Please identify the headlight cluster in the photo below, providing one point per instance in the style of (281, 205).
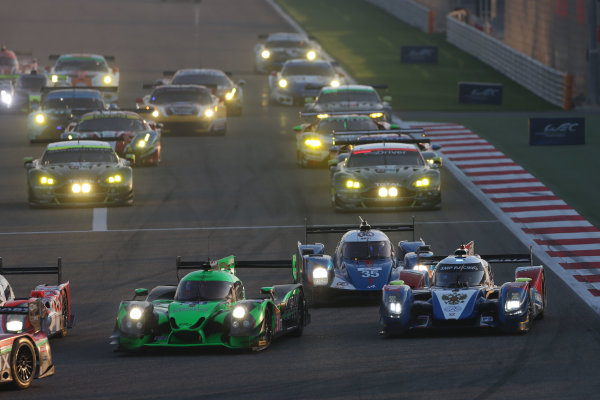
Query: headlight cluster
(135, 313)
(114, 179)
(423, 182)
(155, 113)
(6, 97)
(321, 116)
(388, 192)
(311, 55)
(40, 118)
(513, 305)
(376, 115)
(334, 83)
(265, 54)
(54, 78)
(320, 276)
(46, 180)
(239, 315)
(81, 188)
(15, 322)
(229, 95)
(395, 308)
(352, 184)
(421, 267)
(143, 142)
(313, 143)
(209, 112)
(283, 83)
(107, 79)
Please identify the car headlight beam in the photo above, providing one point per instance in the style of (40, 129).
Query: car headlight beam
(107, 79)
(395, 308)
(283, 83)
(424, 182)
(313, 143)
(352, 184)
(40, 118)
(334, 83)
(239, 312)
(229, 95)
(311, 55)
(320, 276)
(136, 313)
(265, 54)
(14, 326)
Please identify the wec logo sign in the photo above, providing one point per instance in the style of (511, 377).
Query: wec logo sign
(419, 54)
(556, 131)
(479, 93)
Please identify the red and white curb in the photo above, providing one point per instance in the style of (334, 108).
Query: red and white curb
(564, 240)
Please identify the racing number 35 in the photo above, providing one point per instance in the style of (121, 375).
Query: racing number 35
(370, 274)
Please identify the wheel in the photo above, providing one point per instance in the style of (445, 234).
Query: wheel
(23, 363)
(301, 317)
(541, 314)
(267, 336)
(65, 316)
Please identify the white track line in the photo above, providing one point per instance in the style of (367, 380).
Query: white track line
(99, 219)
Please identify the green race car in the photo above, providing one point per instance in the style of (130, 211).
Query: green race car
(209, 308)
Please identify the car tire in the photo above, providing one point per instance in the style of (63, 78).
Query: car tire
(301, 316)
(267, 335)
(23, 363)
(64, 315)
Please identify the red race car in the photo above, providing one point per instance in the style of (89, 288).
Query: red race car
(24, 348)
(55, 313)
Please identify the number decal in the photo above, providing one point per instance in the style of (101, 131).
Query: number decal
(369, 274)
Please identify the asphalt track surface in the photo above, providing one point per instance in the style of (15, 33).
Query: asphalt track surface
(246, 179)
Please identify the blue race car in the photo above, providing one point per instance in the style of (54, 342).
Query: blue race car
(463, 295)
(364, 261)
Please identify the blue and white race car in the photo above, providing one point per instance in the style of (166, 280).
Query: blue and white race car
(463, 295)
(364, 261)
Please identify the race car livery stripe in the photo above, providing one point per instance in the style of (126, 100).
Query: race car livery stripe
(568, 241)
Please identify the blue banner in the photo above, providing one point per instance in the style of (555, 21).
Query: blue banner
(419, 54)
(556, 131)
(480, 93)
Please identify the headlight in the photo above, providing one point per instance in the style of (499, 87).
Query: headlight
(314, 143)
(311, 55)
(76, 188)
(393, 192)
(45, 180)
(209, 113)
(395, 308)
(135, 313)
(321, 116)
(421, 267)
(320, 276)
(239, 312)
(155, 113)
(422, 182)
(229, 95)
(54, 78)
(512, 305)
(14, 325)
(115, 178)
(40, 118)
(352, 184)
(376, 115)
(107, 79)
(265, 54)
(334, 83)
(6, 97)
(85, 188)
(383, 192)
(142, 142)
(283, 83)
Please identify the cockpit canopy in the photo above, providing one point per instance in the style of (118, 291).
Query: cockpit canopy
(367, 250)
(201, 290)
(456, 275)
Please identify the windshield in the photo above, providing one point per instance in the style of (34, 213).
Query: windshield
(338, 96)
(63, 103)
(79, 154)
(110, 124)
(202, 290)
(301, 44)
(375, 250)
(32, 82)
(307, 69)
(201, 79)
(7, 61)
(346, 124)
(366, 158)
(86, 64)
(458, 275)
(188, 95)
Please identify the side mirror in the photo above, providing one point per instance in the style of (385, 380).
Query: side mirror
(308, 100)
(394, 126)
(298, 128)
(47, 68)
(266, 289)
(139, 101)
(387, 98)
(140, 292)
(130, 157)
(113, 107)
(396, 283)
(332, 163)
(436, 146)
(241, 82)
(115, 70)
(28, 162)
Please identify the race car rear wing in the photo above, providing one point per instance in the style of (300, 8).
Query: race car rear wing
(33, 270)
(362, 137)
(108, 89)
(507, 258)
(228, 263)
(326, 114)
(322, 229)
